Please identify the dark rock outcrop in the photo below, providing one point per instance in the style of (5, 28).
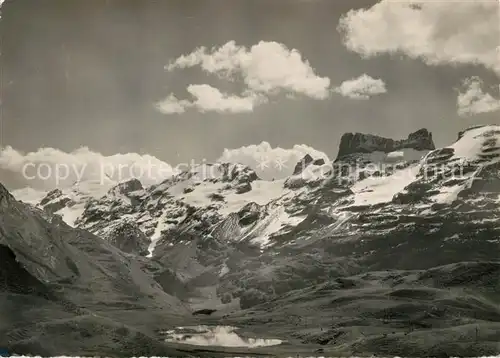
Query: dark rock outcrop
(305, 162)
(354, 143)
(249, 214)
(54, 201)
(127, 237)
(311, 179)
(14, 277)
(243, 188)
(51, 195)
(127, 187)
(300, 166)
(237, 173)
(204, 311)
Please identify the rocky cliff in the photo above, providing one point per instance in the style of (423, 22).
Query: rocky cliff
(354, 143)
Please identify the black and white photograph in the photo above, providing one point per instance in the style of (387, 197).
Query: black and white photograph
(250, 178)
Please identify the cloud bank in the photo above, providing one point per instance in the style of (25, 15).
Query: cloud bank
(438, 32)
(266, 69)
(268, 162)
(473, 100)
(362, 87)
(49, 168)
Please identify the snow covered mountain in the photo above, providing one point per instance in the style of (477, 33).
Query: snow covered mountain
(370, 175)
(389, 221)
(375, 186)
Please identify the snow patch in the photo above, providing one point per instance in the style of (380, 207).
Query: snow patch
(263, 192)
(161, 226)
(29, 195)
(447, 195)
(473, 142)
(403, 155)
(376, 190)
(224, 270)
(276, 220)
(79, 194)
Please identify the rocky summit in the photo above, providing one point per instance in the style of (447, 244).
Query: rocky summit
(392, 249)
(354, 143)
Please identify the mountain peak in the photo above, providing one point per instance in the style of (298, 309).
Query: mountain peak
(305, 162)
(4, 194)
(354, 143)
(128, 186)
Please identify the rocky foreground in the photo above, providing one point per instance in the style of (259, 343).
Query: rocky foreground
(392, 249)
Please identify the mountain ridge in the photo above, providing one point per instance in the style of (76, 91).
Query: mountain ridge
(389, 235)
(226, 188)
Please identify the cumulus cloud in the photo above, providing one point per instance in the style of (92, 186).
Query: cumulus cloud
(438, 32)
(208, 98)
(271, 162)
(473, 100)
(266, 69)
(48, 168)
(172, 104)
(362, 87)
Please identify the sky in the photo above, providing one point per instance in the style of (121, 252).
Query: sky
(196, 80)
